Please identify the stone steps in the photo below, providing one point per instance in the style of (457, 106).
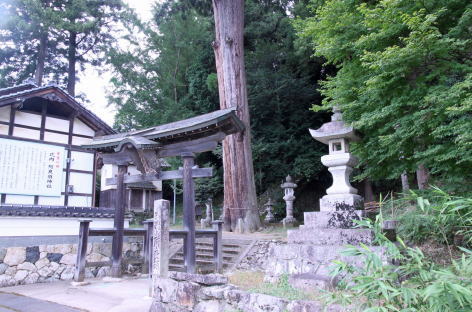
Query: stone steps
(232, 249)
(330, 236)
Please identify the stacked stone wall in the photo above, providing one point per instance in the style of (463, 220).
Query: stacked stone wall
(49, 263)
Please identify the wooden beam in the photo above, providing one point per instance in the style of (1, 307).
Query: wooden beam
(170, 151)
(189, 212)
(164, 175)
(117, 245)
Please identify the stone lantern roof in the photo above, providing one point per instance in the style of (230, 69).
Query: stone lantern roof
(335, 129)
(288, 183)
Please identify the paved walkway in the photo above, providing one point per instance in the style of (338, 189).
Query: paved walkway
(17, 303)
(129, 295)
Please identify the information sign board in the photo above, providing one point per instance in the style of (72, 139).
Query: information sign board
(28, 168)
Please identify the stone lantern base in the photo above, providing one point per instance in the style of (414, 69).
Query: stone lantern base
(338, 202)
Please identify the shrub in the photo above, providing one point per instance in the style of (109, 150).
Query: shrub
(414, 284)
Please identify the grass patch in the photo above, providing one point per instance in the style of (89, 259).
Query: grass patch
(254, 282)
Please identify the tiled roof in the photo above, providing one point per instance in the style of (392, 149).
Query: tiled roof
(55, 211)
(8, 95)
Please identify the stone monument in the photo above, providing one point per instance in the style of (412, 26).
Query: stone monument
(269, 218)
(339, 162)
(288, 186)
(208, 214)
(313, 247)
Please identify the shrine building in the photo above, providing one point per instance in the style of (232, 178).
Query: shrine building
(42, 163)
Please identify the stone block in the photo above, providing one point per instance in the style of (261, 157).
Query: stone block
(31, 278)
(68, 273)
(238, 298)
(41, 263)
(335, 202)
(103, 271)
(32, 254)
(11, 271)
(95, 257)
(69, 259)
(331, 237)
(204, 279)
(165, 290)
(28, 266)
(309, 282)
(20, 275)
(214, 292)
(6, 280)
(331, 219)
(187, 294)
(102, 248)
(54, 257)
(15, 256)
(3, 268)
(3, 253)
(210, 306)
(262, 303)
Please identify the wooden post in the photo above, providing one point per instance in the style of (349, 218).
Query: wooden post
(147, 266)
(117, 246)
(218, 246)
(189, 211)
(82, 250)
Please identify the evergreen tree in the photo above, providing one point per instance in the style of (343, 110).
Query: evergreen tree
(404, 81)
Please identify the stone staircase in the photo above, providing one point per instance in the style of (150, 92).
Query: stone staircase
(312, 247)
(233, 251)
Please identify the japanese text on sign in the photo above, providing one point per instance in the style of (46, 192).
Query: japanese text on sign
(30, 168)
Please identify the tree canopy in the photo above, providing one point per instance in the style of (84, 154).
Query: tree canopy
(404, 80)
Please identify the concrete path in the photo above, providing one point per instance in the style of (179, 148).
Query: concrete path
(17, 303)
(129, 295)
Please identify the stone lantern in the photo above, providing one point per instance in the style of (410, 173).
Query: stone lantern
(337, 135)
(268, 208)
(288, 186)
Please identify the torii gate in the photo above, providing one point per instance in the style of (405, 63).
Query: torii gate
(144, 148)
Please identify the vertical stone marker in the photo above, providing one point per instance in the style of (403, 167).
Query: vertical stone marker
(160, 244)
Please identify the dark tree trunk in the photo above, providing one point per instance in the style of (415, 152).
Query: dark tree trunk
(422, 175)
(240, 203)
(39, 73)
(368, 192)
(71, 58)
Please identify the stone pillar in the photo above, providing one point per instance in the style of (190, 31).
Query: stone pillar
(288, 186)
(160, 241)
(189, 211)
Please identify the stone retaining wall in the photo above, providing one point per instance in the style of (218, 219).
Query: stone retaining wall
(49, 263)
(184, 292)
(258, 257)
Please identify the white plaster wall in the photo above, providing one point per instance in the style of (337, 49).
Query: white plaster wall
(51, 201)
(80, 140)
(37, 226)
(80, 201)
(57, 124)
(4, 129)
(56, 137)
(26, 133)
(108, 171)
(19, 199)
(33, 120)
(81, 128)
(5, 113)
(82, 182)
(82, 161)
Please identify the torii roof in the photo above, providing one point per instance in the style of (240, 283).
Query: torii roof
(201, 126)
(25, 91)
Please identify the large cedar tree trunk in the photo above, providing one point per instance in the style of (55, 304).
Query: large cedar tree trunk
(71, 58)
(240, 202)
(39, 73)
(405, 183)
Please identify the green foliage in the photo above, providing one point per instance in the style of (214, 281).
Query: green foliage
(436, 215)
(404, 81)
(415, 284)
